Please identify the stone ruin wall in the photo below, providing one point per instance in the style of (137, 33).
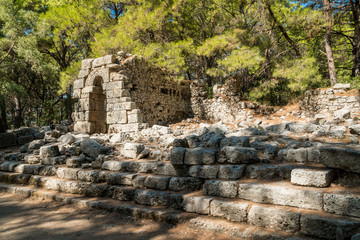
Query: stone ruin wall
(225, 105)
(328, 102)
(123, 93)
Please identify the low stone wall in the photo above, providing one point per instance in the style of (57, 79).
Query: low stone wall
(332, 102)
(223, 106)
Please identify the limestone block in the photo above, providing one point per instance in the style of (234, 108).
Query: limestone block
(115, 178)
(343, 158)
(122, 193)
(82, 126)
(205, 171)
(343, 113)
(184, 183)
(75, 162)
(25, 139)
(281, 195)
(134, 118)
(139, 181)
(274, 217)
(171, 170)
(197, 204)
(49, 151)
(355, 129)
(342, 204)
(311, 177)
(77, 93)
(128, 105)
(9, 166)
(113, 166)
(101, 61)
(67, 173)
(88, 175)
(200, 156)
(328, 227)
(119, 116)
(221, 188)
(132, 150)
(230, 210)
(86, 63)
(92, 148)
(157, 182)
(125, 99)
(293, 155)
(231, 171)
(233, 154)
(140, 166)
(152, 197)
(177, 155)
(79, 83)
(340, 86)
(83, 73)
(242, 141)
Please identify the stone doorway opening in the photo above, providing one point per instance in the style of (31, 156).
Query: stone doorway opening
(98, 106)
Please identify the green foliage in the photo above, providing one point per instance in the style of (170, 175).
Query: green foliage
(68, 76)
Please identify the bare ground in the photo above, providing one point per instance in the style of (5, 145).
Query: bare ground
(29, 218)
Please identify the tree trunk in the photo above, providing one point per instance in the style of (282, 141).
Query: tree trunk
(18, 121)
(356, 42)
(3, 123)
(68, 104)
(329, 53)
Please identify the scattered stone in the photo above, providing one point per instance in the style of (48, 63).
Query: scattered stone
(132, 150)
(92, 148)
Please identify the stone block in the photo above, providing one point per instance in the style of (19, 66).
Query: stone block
(88, 175)
(7, 140)
(119, 116)
(25, 139)
(132, 150)
(197, 204)
(342, 158)
(157, 182)
(75, 162)
(171, 170)
(230, 210)
(340, 86)
(342, 204)
(242, 141)
(86, 63)
(293, 155)
(101, 61)
(198, 156)
(140, 166)
(79, 83)
(177, 155)
(205, 171)
(135, 118)
(128, 105)
(123, 193)
(281, 195)
(138, 181)
(9, 166)
(311, 177)
(152, 197)
(221, 188)
(121, 178)
(49, 151)
(328, 227)
(274, 217)
(67, 173)
(92, 148)
(238, 155)
(231, 171)
(184, 183)
(83, 73)
(113, 166)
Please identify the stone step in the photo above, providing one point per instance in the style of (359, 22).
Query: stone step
(283, 218)
(335, 199)
(121, 207)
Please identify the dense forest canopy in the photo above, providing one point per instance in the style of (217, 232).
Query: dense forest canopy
(274, 49)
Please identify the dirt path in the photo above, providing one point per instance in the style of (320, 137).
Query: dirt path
(22, 218)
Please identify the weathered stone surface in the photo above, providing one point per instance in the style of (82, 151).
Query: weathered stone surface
(221, 188)
(197, 204)
(67, 173)
(311, 177)
(205, 171)
(343, 158)
(138, 181)
(9, 166)
(25, 139)
(177, 155)
(157, 182)
(36, 144)
(75, 162)
(28, 169)
(274, 217)
(112, 165)
(233, 154)
(338, 131)
(270, 171)
(230, 210)
(328, 227)
(198, 156)
(231, 171)
(184, 183)
(140, 166)
(171, 170)
(49, 151)
(342, 204)
(92, 148)
(88, 175)
(355, 129)
(293, 155)
(7, 139)
(67, 139)
(342, 86)
(152, 197)
(121, 178)
(132, 150)
(242, 141)
(281, 195)
(123, 193)
(342, 113)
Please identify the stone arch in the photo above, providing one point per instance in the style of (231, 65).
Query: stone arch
(94, 76)
(97, 102)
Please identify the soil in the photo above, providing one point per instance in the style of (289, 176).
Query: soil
(30, 218)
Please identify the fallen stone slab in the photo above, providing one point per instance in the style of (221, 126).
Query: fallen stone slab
(311, 177)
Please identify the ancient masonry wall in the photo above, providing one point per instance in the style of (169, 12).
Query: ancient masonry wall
(124, 93)
(224, 105)
(328, 102)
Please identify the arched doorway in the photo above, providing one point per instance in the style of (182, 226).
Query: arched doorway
(98, 106)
